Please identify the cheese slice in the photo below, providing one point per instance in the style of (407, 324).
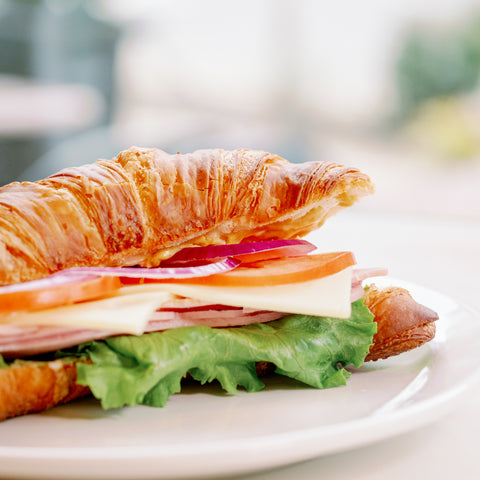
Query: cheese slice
(327, 296)
(129, 309)
(123, 312)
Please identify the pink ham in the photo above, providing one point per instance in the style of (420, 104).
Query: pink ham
(17, 341)
(28, 340)
(361, 274)
(237, 320)
(46, 339)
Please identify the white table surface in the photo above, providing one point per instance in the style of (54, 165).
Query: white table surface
(442, 253)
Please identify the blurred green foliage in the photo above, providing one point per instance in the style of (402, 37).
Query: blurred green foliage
(437, 64)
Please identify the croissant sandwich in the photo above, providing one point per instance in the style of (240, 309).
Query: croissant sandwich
(127, 276)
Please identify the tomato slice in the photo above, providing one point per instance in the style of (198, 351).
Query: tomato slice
(279, 271)
(54, 291)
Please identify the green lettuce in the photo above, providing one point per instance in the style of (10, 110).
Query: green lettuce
(130, 370)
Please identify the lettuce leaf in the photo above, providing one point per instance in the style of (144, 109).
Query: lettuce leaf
(147, 369)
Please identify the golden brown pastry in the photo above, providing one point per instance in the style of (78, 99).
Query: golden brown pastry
(30, 387)
(145, 204)
(402, 323)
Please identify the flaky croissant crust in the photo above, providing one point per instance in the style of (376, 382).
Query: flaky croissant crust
(145, 204)
(403, 324)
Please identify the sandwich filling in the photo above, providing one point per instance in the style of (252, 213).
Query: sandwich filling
(134, 345)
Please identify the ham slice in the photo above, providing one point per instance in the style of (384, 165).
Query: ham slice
(18, 341)
(46, 339)
(361, 274)
(227, 319)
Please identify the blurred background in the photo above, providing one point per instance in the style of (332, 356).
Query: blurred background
(390, 87)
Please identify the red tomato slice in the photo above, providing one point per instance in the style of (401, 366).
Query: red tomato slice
(280, 271)
(55, 291)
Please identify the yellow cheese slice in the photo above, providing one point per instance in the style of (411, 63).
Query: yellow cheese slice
(123, 312)
(328, 296)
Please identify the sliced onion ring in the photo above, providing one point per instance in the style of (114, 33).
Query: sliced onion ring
(159, 273)
(267, 249)
(56, 280)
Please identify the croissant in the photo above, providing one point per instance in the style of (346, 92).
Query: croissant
(403, 324)
(145, 204)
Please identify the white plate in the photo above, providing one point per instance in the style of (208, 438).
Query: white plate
(203, 432)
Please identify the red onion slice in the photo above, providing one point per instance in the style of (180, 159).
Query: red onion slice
(52, 281)
(160, 273)
(242, 251)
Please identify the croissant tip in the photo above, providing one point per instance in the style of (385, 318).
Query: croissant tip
(402, 323)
